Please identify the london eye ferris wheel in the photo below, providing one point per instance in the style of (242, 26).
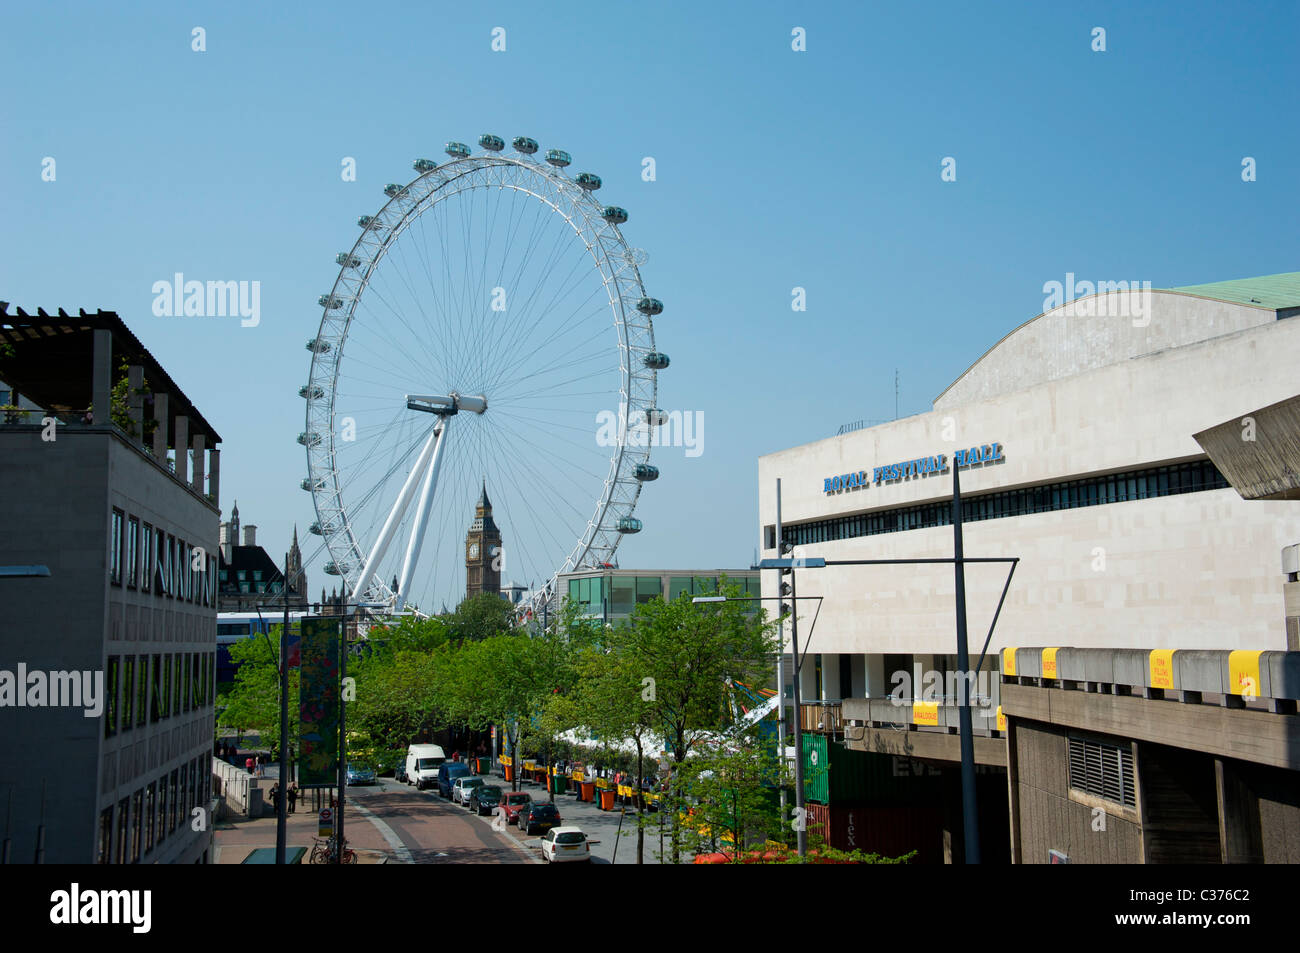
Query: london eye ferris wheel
(487, 319)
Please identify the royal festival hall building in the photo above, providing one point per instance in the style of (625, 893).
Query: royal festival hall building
(1075, 440)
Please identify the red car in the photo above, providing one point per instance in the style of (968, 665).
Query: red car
(514, 802)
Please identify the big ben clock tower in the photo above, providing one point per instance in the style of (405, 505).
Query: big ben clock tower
(483, 551)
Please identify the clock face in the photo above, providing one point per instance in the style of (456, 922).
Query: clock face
(473, 551)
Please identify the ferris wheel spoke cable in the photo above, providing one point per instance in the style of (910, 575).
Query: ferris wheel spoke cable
(517, 340)
(522, 344)
(563, 472)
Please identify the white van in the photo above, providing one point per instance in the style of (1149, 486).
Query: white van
(422, 763)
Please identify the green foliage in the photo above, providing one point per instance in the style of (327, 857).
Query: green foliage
(480, 617)
(253, 701)
(731, 791)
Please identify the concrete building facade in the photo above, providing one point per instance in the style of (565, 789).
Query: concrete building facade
(114, 489)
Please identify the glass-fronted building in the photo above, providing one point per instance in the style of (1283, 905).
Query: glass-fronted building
(613, 594)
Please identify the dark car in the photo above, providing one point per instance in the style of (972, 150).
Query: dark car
(541, 816)
(513, 803)
(483, 800)
(448, 772)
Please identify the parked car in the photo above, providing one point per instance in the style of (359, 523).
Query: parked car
(461, 789)
(513, 803)
(361, 774)
(541, 815)
(563, 845)
(399, 772)
(447, 775)
(484, 799)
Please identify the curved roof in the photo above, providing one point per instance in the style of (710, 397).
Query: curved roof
(1071, 339)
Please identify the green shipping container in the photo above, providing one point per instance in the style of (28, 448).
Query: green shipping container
(839, 776)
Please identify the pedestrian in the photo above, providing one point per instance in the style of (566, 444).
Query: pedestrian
(275, 797)
(293, 796)
(249, 764)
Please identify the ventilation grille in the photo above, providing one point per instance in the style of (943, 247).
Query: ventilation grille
(1102, 770)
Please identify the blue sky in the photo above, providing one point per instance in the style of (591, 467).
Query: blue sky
(775, 169)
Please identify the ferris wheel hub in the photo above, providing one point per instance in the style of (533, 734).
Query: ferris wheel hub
(446, 405)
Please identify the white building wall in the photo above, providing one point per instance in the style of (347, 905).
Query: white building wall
(1197, 570)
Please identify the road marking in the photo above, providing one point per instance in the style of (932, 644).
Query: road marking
(395, 842)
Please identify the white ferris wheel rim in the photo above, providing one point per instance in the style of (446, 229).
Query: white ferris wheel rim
(616, 263)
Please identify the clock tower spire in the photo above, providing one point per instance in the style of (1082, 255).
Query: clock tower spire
(483, 550)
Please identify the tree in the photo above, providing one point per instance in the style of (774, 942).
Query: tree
(480, 617)
(254, 700)
(689, 651)
(732, 787)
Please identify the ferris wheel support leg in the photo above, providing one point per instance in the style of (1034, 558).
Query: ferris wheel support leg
(421, 516)
(395, 517)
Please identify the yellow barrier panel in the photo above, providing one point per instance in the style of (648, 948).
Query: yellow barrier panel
(925, 713)
(1049, 663)
(1243, 673)
(577, 776)
(1161, 668)
(1002, 720)
(505, 759)
(1008, 661)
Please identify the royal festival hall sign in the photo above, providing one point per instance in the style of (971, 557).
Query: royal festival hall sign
(910, 469)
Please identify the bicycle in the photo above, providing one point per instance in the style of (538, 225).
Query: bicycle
(325, 852)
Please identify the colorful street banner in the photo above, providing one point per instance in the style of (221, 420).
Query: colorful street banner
(318, 727)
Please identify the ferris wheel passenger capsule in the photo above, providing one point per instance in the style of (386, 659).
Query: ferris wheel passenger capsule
(558, 158)
(317, 346)
(311, 392)
(614, 215)
(655, 417)
(424, 165)
(491, 143)
(369, 222)
(650, 306)
(645, 472)
(347, 260)
(331, 568)
(309, 438)
(656, 361)
(392, 190)
(629, 524)
(312, 485)
(589, 181)
(457, 149)
(525, 145)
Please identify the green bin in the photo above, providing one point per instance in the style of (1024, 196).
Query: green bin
(559, 784)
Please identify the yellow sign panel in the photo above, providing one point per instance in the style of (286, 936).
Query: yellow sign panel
(1002, 720)
(1008, 661)
(505, 759)
(1049, 663)
(1160, 666)
(1243, 673)
(925, 713)
(577, 775)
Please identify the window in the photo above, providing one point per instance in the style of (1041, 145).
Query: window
(178, 684)
(165, 703)
(1103, 770)
(159, 563)
(115, 549)
(123, 831)
(137, 824)
(146, 559)
(142, 690)
(150, 814)
(623, 599)
(110, 709)
(183, 564)
(648, 588)
(257, 575)
(175, 799)
(128, 693)
(169, 580)
(195, 692)
(105, 853)
(159, 699)
(162, 808)
(132, 551)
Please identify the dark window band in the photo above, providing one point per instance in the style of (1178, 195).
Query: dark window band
(1045, 498)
